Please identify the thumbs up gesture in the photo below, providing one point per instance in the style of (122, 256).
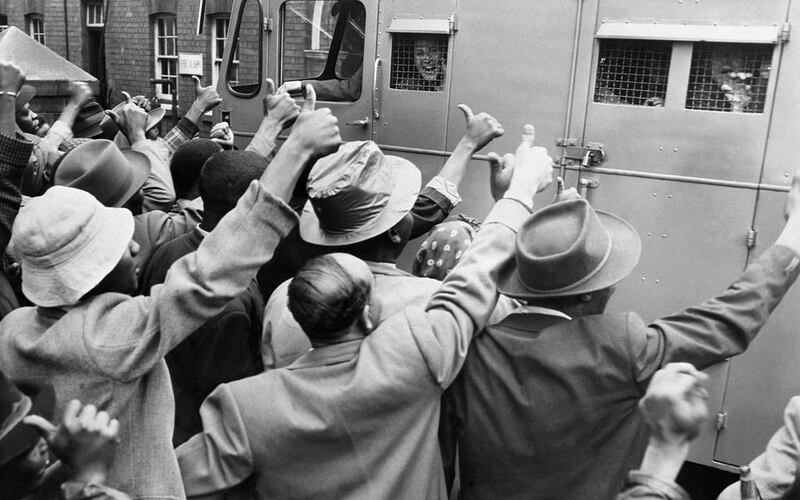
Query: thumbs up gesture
(481, 128)
(316, 131)
(206, 98)
(280, 106)
(533, 169)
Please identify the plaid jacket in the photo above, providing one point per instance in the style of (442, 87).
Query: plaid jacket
(14, 156)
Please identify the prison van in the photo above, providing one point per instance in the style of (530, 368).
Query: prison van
(681, 116)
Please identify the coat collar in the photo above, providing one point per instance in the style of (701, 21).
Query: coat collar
(532, 318)
(386, 269)
(332, 354)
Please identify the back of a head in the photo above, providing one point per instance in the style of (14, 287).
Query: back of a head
(325, 298)
(225, 177)
(187, 162)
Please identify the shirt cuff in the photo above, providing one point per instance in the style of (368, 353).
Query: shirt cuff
(188, 127)
(445, 187)
(508, 212)
(261, 145)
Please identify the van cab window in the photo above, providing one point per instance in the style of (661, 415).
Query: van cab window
(322, 43)
(730, 77)
(419, 62)
(244, 72)
(632, 72)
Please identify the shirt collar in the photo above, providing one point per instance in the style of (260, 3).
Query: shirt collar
(332, 354)
(532, 318)
(386, 269)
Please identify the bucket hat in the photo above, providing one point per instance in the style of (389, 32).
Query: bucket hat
(100, 168)
(67, 242)
(18, 399)
(357, 193)
(568, 248)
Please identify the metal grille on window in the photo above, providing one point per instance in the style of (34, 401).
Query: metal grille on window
(419, 62)
(729, 77)
(632, 72)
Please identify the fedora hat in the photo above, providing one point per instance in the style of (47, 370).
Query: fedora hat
(18, 399)
(67, 242)
(568, 248)
(100, 168)
(110, 129)
(87, 123)
(24, 96)
(357, 193)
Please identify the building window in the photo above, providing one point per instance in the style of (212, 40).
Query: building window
(3, 22)
(166, 41)
(94, 14)
(36, 28)
(218, 36)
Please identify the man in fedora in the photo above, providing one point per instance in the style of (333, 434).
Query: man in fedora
(88, 337)
(546, 403)
(357, 416)
(370, 205)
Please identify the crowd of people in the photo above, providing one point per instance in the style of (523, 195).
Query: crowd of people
(182, 318)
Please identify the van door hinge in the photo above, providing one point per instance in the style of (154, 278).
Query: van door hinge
(786, 30)
(722, 418)
(752, 238)
(268, 24)
(453, 23)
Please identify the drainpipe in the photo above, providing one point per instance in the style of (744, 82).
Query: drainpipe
(66, 29)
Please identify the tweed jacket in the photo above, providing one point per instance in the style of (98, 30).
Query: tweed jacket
(546, 406)
(109, 349)
(355, 420)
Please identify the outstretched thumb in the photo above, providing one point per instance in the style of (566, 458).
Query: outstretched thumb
(528, 134)
(46, 429)
(127, 97)
(468, 114)
(270, 86)
(311, 98)
(114, 117)
(197, 83)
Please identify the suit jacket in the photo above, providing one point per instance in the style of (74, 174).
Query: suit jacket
(546, 406)
(109, 349)
(355, 420)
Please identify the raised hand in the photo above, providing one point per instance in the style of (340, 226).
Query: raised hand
(674, 406)
(85, 441)
(280, 106)
(222, 133)
(131, 120)
(79, 93)
(533, 168)
(501, 168)
(481, 128)
(206, 98)
(11, 77)
(316, 131)
(143, 102)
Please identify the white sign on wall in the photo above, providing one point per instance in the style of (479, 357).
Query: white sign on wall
(190, 64)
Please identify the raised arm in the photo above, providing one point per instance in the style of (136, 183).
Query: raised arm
(726, 324)
(280, 112)
(199, 285)
(469, 293)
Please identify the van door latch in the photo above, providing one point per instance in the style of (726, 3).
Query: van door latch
(588, 156)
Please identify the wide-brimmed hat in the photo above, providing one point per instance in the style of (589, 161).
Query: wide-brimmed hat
(18, 399)
(568, 248)
(110, 129)
(100, 168)
(24, 96)
(67, 242)
(87, 123)
(357, 193)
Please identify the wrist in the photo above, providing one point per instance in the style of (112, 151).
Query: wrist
(295, 149)
(270, 127)
(520, 196)
(468, 144)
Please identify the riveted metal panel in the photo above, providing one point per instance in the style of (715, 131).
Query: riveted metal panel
(721, 11)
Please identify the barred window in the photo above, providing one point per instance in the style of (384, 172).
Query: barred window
(729, 77)
(36, 28)
(419, 62)
(632, 72)
(166, 40)
(218, 36)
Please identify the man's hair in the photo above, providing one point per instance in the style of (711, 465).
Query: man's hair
(325, 299)
(187, 162)
(225, 177)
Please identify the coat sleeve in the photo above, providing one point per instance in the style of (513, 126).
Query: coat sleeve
(14, 156)
(722, 326)
(134, 334)
(159, 191)
(775, 470)
(467, 296)
(219, 457)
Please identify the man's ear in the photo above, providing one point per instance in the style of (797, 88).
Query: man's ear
(394, 236)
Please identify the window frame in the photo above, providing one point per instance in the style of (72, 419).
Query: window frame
(218, 52)
(38, 35)
(91, 8)
(235, 49)
(158, 57)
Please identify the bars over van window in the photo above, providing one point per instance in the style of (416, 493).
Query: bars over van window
(419, 62)
(632, 72)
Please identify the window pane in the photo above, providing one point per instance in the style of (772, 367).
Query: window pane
(632, 72)
(419, 62)
(729, 77)
(247, 47)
